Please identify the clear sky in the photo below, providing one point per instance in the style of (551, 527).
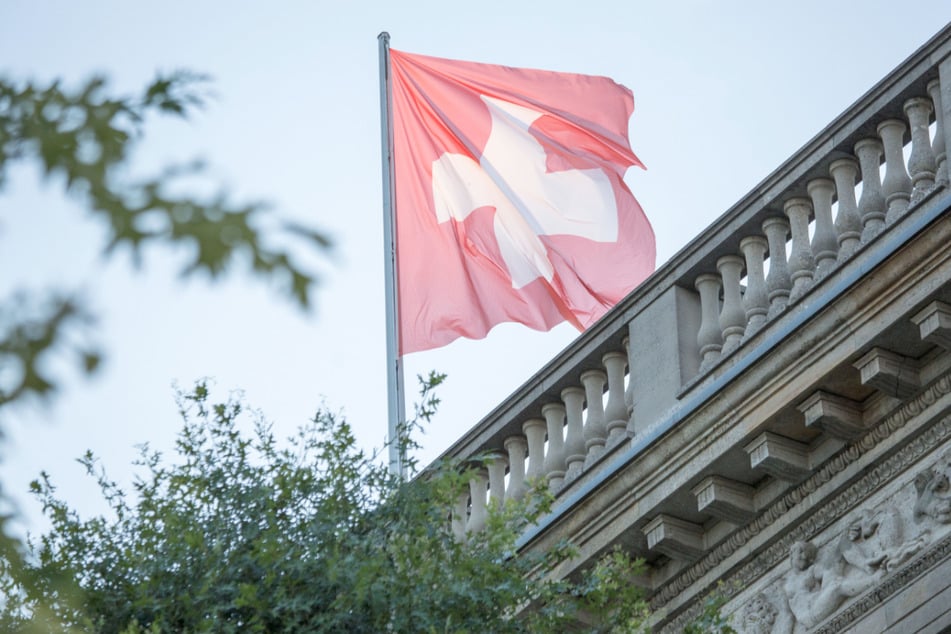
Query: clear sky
(725, 91)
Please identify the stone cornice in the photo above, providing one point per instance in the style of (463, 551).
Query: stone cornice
(733, 417)
(918, 566)
(915, 446)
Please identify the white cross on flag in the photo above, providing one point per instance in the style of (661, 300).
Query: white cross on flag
(510, 199)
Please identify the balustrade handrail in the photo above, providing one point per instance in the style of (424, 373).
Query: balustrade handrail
(722, 238)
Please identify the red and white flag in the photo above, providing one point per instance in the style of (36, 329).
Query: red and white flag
(510, 200)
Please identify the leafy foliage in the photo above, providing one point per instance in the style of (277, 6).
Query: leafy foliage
(241, 534)
(711, 619)
(82, 138)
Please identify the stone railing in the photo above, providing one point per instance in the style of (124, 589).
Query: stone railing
(730, 314)
(701, 312)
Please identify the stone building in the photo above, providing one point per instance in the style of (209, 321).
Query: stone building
(770, 412)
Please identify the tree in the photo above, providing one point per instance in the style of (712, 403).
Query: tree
(243, 534)
(83, 139)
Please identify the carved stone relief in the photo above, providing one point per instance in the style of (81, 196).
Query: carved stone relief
(934, 493)
(758, 616)
(873, 544)
(933, 534)
(894, 466)
(816, 587)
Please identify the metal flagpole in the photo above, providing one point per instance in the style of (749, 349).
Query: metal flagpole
(396, 407)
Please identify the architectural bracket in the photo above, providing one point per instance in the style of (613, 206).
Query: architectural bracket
(676, 538)
(836, 415)
(889, 372)
(725, 499)
(779, 456)
(934, 324)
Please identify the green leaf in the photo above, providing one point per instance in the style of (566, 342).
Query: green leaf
(239, 533)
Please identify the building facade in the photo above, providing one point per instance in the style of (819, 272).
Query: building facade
(769, 415)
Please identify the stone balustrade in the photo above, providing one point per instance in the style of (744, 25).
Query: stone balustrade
(731, 311)
(718, 298)
(575, 430)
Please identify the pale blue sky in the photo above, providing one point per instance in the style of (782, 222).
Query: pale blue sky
(725, 91)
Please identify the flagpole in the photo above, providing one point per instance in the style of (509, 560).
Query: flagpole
(396, 408)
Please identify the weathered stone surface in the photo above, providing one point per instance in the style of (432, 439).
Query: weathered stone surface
(725, 499)
(825, 422)
(778, 456)
(934, 324)
(889, 372)
(674, 537)
(838, 416)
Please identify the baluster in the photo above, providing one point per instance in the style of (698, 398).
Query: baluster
(615, 412)
(732, 316)
(941, 177)
(777, 282)
(709, 338)
(573, 398)
(496, 467)
(824, 245)
(477, 510)
(516, 448)
(755, 299)
(848, 222)
(460, 516)
(534, 430)
(595, 432)
(554, 414)
(921, 161)
(801, 262)
(872, 201)
(629, 390)
(896, 185)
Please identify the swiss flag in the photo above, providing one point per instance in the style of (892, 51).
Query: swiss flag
(510, 200)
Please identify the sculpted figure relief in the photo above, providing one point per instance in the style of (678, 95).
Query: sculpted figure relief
(875, 542)
(758, 616)
(934, 494)
(815, 589)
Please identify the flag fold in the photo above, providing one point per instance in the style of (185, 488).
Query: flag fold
(510, 201)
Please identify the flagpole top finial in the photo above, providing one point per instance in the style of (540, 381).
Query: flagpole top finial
(383, 36)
